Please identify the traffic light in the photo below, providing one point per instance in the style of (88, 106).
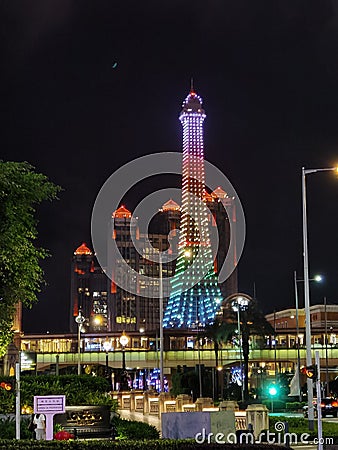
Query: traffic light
(6, 386)
(273, 390)
(310, 372)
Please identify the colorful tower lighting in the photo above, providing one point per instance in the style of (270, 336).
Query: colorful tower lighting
(195, 295)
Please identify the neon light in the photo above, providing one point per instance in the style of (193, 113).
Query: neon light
(195, 306)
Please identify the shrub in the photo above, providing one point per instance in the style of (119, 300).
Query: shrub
(129, 429)
(294, 406)
(7, 428)
(162, 444)
(79, 390)
(278, 405)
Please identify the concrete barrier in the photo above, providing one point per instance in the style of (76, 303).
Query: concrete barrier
(198, 425)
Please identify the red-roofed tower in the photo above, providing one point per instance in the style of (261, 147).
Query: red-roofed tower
(89, 291)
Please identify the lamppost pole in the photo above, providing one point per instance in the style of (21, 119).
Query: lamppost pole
(124, 341)
(123, 358)
(161, 319)
(297, 332)
(240, 351)
(200, 369)
(307, 292)
(327, 387)
(79, 349)
(79, 319)
(107, 347)
(275, 344)
(240, 304)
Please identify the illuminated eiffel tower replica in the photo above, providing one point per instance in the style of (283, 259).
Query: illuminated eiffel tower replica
(195, 294)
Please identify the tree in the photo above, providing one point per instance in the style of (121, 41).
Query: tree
(186, 381)
(219, 332)
(21, 190)
(252, 323)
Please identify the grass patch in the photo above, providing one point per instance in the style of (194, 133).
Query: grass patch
(299, 425)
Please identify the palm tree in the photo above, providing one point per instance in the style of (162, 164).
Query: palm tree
(252, 323)
(219, 332)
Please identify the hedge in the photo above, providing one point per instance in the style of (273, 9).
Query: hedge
(79, 390)
(294, 406)
(126, 429)
(299, 425)
(131, 429)
(163, 444)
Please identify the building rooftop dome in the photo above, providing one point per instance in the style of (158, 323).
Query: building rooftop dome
(121, 213)
(171, 205)
(83, 250)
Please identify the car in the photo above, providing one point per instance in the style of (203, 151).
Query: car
(329, 407)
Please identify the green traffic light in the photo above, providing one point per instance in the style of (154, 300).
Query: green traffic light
(273, 391)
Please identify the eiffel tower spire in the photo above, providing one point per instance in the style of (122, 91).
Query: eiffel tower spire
(195, 295)
(192, 85)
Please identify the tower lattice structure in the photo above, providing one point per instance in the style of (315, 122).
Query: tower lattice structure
(195, 295)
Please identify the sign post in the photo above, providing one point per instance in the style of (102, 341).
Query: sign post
(49, 405)
(17, 401)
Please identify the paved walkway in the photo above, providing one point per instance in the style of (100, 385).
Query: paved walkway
(150, 419)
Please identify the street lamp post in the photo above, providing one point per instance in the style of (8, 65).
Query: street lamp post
(307, 291)
(80, 320)
(240, 350)
(107, 347)
(200, 369)
(236, 306)
(327, 387)
(297, 332)
(123, 341)
(161, 319)
(317, 278)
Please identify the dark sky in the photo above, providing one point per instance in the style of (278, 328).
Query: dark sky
(268, 75)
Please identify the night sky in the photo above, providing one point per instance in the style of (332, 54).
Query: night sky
(87, 86)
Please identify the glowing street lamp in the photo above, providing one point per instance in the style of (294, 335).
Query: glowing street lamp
(317, 278)
(124, 339)
(80, 320)
(107, 347)
(240, 303)
(307, 290)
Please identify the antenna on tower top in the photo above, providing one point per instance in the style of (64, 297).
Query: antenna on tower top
(192, 85)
